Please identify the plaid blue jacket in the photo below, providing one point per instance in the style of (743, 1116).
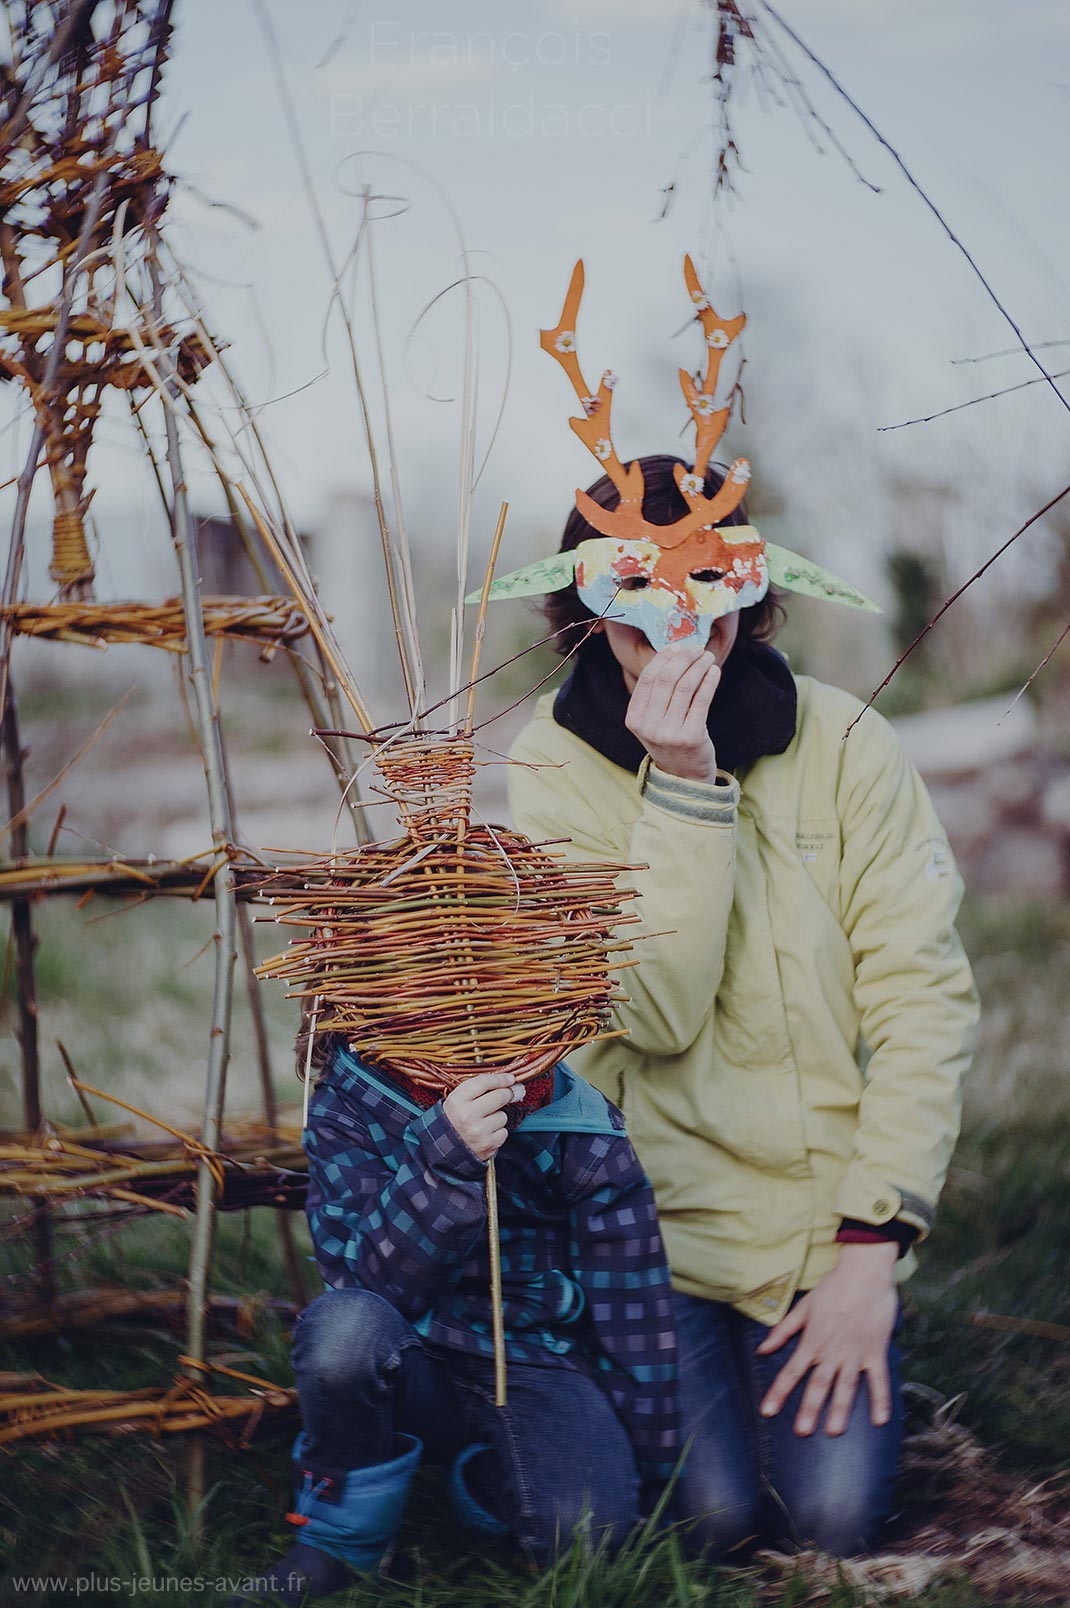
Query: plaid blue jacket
(397, 1205)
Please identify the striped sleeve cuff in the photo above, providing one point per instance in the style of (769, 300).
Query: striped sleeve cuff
(710, 803)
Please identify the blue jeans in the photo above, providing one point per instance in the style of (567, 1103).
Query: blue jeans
(746, 1477)
(556, 1450)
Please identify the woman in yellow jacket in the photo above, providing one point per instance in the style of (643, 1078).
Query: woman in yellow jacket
(799, 1022)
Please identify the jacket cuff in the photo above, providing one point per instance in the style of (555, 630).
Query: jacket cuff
(854, 1232)
(443, 1149)
(709, 803)
(865, 1197)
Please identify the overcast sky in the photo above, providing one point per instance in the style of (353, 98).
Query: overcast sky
(553, 129)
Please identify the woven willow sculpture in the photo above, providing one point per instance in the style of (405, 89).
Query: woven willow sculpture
(455, 949)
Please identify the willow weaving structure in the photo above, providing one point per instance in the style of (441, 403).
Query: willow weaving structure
(80, 182)
(34, 1408)
(91, 322)
(78, 167)
(455, 949)
(273, 621)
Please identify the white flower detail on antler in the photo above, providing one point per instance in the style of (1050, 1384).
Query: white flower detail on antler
(741, 472)
(703, 404)
(603, 448)
(566, 341)
(691, 485)
(609, 379)
(718, 339)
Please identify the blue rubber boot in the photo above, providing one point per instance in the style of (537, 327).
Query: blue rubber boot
(344, 1527)
(472, 1514)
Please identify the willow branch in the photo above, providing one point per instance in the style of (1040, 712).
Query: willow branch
(225, 903)
(959, 245)
(976, 576)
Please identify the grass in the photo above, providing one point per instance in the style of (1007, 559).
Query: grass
(113, 1510)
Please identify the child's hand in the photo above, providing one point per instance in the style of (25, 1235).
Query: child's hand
(475, 1110)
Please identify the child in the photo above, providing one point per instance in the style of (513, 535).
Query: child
(394, 1362)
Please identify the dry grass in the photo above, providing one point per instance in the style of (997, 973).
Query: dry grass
(983, 1510)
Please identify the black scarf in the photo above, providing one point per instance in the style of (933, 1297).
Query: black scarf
(753, 710)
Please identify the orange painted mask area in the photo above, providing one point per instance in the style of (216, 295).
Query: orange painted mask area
(670, 593)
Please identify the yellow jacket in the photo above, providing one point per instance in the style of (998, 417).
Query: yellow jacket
(802, 1014)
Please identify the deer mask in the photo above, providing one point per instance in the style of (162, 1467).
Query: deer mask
(670, 581)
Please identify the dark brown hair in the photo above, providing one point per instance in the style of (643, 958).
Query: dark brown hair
(663, 502)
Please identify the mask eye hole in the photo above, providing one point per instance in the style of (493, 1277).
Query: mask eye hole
(634, 583)
(707, 575)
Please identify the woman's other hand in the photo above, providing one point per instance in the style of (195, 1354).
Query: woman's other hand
(844, 1325)
(475, 1110)
(669, 707)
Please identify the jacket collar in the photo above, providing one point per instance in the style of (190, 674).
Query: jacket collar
(576, 1107)
(753, 712)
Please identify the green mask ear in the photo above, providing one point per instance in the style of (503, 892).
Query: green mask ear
(534, 580)
(797, 574)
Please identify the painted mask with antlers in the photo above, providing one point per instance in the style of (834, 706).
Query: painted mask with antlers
(669, 581)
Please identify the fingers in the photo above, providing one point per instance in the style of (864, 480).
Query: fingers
(698, 713)
(489, 1140)
(482, 1105)
(814, 1398)
(685, 712)
(658, 681)
(482, 1083)
(484, 1093)
(476, 1110)
(785, 1382)
(841, 1402)
(669, 707)
(789, 1325)
(880, 1391)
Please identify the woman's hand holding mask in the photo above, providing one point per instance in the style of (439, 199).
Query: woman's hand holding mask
(669, 707)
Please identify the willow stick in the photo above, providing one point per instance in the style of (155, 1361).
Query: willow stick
(340, 748)
(481, 622)
(56, 353)
(326, 646)
(494, 1243)
(496, 1319)
(225, 902)
(350, 779)
(263, 1051)
(25, 943)
(307, 594)
(404, 634)
(403, 556)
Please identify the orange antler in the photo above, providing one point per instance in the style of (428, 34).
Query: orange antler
(594, 428)
(626, 521)
(710, 422)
